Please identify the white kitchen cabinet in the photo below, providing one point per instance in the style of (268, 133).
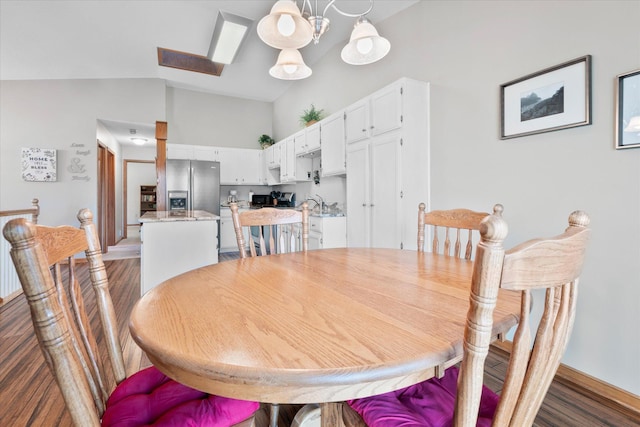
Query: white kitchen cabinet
(240, 166)
(356, 125)
(332, 231)
(193, 152)
(201, 152)
(307, 141)
(272, 156)
(324, 232)
(373, 193)
(300, 142)
(251, 169)
(388, 173)
(228, 241)
(293, 168)
(378, 113)
(288, 160)
(386, 109)
(332, 155)
(272, 164)
(180, 151)
(314, 241)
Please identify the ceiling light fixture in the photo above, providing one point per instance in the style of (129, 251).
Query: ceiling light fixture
(288, 27)
(290, 66)
(139, 141)
(229, 33)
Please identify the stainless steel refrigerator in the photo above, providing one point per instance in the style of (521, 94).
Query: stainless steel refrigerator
(198, 180)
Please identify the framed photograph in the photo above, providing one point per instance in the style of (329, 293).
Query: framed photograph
(628, 110)
(552, 99)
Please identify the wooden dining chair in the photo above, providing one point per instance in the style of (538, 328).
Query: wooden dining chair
(271, 230)
(459, 397)
(91, 376)
(461, 223)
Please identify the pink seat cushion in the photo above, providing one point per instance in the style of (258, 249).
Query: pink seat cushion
(428, 404)
(150, 398)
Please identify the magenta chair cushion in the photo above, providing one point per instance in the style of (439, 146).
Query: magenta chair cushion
(150, 398)
(428, 404)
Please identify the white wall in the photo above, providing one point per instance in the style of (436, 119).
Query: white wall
(203, 119)
(466, 49)
(63, 114)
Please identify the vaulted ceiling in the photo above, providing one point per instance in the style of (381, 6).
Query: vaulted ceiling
(61, 39)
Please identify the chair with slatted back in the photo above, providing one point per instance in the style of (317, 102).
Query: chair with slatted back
(444, 223)
(459, 397)
(271, 230)
(92, 377)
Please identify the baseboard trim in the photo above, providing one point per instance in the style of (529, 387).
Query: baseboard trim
(608, 394)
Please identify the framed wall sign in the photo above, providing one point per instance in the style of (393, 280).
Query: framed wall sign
(555, 98)
(39, 164)
(628, 110)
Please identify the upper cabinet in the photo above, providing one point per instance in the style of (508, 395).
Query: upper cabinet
(356, 125)
(288, 160)
(308, 140)
(272, 156)
(292, 167)
(379, 113)
(399, 107)
(238, 166)
(332, 155)
(386, 109)
(181, 151)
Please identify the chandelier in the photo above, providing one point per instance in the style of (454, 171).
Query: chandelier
(289, 28)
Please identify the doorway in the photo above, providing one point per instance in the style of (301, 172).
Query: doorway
(135, 173)
(106, 217)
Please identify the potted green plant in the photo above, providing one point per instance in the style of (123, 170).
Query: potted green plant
(265, 141)
(310, 116)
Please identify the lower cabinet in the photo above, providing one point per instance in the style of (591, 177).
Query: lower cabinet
(228, 241)
(325, 232)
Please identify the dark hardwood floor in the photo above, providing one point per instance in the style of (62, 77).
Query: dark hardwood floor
(30, 397)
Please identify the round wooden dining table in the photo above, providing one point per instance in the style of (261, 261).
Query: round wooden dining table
(312, 327)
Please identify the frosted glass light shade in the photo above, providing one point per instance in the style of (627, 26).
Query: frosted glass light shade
(294, 24)
(290, 66)
(365, 45)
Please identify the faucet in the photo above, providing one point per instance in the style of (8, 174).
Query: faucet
(319, 204)
(322, 204)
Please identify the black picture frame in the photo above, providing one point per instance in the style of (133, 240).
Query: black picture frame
(628, 110)
(555, 98)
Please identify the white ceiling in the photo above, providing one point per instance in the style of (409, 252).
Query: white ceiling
(96, 39)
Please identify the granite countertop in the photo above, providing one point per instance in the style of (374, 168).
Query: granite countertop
(170, 216)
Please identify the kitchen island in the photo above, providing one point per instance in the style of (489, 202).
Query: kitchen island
(174, 242)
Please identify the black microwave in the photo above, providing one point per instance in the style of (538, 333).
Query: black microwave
(261, 200)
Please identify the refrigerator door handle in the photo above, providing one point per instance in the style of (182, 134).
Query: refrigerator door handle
(191, 193)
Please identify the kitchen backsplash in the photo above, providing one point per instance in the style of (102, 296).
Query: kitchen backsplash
(332, 189)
